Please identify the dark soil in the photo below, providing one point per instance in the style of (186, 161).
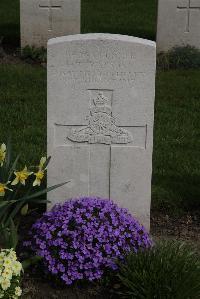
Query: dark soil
(14, 56)
(9, 58)
(185, 228)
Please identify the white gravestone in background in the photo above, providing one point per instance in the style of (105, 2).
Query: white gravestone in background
(100, 119)
(45, 19)
(178, 24)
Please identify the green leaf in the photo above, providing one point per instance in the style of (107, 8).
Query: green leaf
(4, 203)
(13, 167)
(9, 235)
(47, 162)
(24, 210)
(14, 212)
(8, 152)
(31, 261)
(44, 191)
(14, 235)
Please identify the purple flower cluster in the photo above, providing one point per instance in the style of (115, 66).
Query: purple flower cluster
(83, 237)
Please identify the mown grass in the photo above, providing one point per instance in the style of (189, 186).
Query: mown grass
(23, 110)
(132, 17)
(176, 163)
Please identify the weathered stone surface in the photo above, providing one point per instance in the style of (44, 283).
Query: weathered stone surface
(100, 118)
(45, 19)
(178, 24)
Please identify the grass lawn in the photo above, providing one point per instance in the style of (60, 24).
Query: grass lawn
(133, 17)
(23, 109)
(176, 164)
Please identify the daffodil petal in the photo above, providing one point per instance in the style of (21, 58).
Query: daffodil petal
(15, 182)
(3, 147)
(36, 182)
(43, 160)
(8, 189)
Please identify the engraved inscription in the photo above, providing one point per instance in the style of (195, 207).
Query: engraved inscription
(47, 4)
(82, 56)
(95, 76)
(188, 8)
(101, 125)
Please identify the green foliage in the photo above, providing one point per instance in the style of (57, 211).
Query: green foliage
(187, 57)
(35, 54)
(8, 234)
(15, 198)
(168, 271)
(31, 261)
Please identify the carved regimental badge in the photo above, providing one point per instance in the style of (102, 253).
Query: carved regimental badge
(101, 125)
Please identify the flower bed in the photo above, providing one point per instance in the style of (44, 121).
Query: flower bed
(84, 237)
(10, 270)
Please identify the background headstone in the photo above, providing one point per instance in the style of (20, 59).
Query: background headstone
(100, 118)
(178, 24)
(45, 19)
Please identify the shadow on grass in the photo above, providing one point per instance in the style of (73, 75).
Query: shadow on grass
(10, 34)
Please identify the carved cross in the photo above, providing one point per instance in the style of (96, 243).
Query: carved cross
(50, 6)
(188, 8)
(103, 136)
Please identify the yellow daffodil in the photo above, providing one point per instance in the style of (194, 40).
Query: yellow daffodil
(38, 177)
(42, 162)
(3, 188)
(40, 174)
(21, 176)
(2, 153)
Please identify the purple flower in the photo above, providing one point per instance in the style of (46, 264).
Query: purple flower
(84, 237)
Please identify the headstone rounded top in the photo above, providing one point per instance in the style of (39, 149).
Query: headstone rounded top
(101, 36)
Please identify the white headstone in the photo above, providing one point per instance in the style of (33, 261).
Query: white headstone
(45, 19)
(100, 118)
(178, 24)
